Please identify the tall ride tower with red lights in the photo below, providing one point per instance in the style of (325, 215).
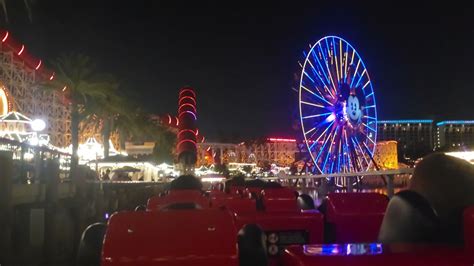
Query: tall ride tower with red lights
(187, 115)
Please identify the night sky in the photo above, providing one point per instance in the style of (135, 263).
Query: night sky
(241, 58)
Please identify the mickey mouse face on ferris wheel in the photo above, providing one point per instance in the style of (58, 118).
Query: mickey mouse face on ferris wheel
(353, 108)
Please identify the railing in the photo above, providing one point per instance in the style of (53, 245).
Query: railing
(387, 175)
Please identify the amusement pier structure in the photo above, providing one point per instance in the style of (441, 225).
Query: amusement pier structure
(20, 74)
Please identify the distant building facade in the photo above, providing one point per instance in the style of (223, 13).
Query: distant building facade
(386, 155)
(142, 148)
(414, 137)
(270, 151)
(455, 135)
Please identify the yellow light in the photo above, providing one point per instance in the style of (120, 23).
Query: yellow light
(3, 101)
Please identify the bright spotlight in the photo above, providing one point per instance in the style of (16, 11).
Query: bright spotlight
(38, 125)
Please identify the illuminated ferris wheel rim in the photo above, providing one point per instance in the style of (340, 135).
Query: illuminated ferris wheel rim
(318, 52)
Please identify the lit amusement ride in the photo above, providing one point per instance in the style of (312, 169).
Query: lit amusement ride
(338, 113)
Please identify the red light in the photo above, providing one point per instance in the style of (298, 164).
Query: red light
(187, 104)
(22, 49)
(197, 132)
(39, 65)
(185, 130)
(194, 94)
(281, 140)
(187, 140)
(5, 37)
(169, 119)
(186, 97)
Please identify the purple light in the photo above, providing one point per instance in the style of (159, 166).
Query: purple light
(107, 216)
(195, 118)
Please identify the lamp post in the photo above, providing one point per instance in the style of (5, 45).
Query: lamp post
(37, 125)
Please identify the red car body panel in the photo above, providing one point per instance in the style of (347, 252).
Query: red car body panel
(356, 217)
(184, 237)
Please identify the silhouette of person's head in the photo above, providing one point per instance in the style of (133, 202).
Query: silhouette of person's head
(186, 182)
(447, 183)
(236, 181)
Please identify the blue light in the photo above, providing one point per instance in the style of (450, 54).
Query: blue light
(455, 122)
(328, 152)
(405, 121)
(321, 67)
(343, 249)
(324, 145)
(309, 77)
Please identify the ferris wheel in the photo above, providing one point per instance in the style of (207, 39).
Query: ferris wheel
(338, 112)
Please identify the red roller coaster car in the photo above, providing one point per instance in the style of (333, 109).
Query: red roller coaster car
(276, 210)
(189, 227)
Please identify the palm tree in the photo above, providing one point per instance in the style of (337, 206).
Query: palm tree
(77, 77)
(101, 114)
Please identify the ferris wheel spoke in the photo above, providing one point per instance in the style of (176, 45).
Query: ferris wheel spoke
(361, 151)
(360, 77)
(355, 159)
(313, 104)
(349, 153)
(370, 117)
(315, 56)
(315, 94)
(365, 125)
(327, 86)
(311, 92)
(310, 78)
(367, 137)
(309, 131)
(345, 62)
(369, 152)
(368, 95)
(359, 163)
(328, 136)
(318, 115)
(326, 62)
(339, 156)
(320, 135)
(365, 85)
(340, 59)
(355, 73)
(315, 70)
(330, 147)
(334, 48)
(353, 54)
